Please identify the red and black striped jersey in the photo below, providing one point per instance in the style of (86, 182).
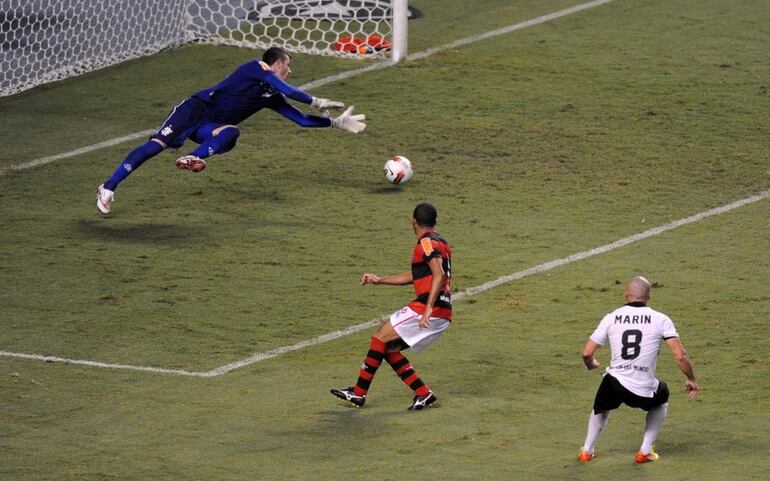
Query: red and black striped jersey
(429, 246)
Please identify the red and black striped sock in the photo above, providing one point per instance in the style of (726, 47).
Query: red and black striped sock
(372, 361)
(406, 372)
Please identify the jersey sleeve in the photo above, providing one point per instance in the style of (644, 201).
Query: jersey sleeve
(428, 250)
(263, 73)
(601, 334)
(280, 105)
(668, 330)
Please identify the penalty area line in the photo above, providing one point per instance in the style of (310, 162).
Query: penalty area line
(327, 80)
(74, 153)
(473, 291)
(104, 365)
(470, 292)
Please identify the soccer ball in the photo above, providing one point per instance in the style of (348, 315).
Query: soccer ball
(398, 170)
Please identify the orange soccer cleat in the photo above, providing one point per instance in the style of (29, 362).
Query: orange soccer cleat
(585, 456)
(650, 457)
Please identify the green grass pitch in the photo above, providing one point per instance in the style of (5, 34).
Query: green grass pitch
(534, 145)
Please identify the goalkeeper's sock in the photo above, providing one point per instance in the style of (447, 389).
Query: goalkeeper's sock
(132, 162)
(223, 142)
(654, 422)
(406, 372)
(596, 423)
(371, 363)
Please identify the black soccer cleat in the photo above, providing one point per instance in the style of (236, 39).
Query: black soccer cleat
(350, 396)
(421, 402)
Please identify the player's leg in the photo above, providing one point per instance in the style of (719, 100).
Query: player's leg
(596, 424)
(213, 139)
(105, 196)
(608, 397)
(411, 378)
(133, 161)
(372, 361)
(406, 324)
(175, 129)
(653, 424)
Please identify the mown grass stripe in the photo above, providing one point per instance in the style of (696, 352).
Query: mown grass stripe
(470, 292)
(326, 80)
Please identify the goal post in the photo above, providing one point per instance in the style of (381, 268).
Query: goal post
(43, 41)
(400, 29)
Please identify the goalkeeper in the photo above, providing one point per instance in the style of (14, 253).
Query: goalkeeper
(209, 117)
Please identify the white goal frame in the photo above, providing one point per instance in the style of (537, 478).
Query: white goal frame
(43, 41)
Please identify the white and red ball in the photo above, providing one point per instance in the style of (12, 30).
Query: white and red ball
(398, 170)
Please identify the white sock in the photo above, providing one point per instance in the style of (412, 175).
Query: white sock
(596, 422)
(655, 418)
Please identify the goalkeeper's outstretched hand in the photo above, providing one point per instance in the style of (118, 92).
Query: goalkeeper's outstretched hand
(322, 104)
(349, 122)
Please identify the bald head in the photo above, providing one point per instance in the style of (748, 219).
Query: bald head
(638, 290)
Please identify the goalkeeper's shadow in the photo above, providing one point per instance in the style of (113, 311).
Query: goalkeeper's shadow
(141, 233)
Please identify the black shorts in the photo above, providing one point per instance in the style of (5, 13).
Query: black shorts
(611, 394)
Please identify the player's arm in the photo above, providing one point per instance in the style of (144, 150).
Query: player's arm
(346, 121)
(438, 277)
(284, 87)
(297, 116)
(401, 279)
(298, 94)
(683, 362)
(589, 351)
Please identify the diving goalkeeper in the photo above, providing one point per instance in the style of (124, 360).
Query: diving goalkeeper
(209, 117)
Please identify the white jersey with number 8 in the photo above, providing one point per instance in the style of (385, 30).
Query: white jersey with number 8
(634, 332)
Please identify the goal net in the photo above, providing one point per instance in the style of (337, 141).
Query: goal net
(47, 40)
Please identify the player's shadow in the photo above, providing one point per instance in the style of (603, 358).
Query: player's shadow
(346, 419)
(148, 233)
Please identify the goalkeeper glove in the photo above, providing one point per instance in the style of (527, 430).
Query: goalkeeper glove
(349, 122)
(322, 104)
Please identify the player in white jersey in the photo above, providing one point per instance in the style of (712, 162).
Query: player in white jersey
(634, 332)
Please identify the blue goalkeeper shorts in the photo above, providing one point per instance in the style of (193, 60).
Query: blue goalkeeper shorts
(182, 122)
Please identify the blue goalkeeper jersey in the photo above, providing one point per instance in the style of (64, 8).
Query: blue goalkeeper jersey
(249, 89)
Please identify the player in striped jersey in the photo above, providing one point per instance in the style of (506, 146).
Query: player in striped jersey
(635, 332)
(209, 117)
(418, 324)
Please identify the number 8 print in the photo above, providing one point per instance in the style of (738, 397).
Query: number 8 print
(631, 348)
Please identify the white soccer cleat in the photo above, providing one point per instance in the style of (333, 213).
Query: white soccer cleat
(104, 199)
(191, 163)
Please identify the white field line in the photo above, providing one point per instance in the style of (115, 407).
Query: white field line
(324, 81)
(470, 292)
(508, 29)
(76, 152)
(105, 365)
